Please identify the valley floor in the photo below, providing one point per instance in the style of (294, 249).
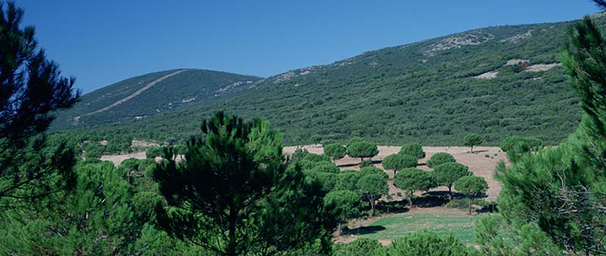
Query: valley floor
(387, 227)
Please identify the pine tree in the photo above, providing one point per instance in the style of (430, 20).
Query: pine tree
(562, 190)
(234, 195)
(31, 89)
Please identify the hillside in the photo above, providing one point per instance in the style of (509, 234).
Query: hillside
(494, 81)
(147, 95)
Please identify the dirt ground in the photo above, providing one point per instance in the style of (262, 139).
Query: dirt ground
(478, 162)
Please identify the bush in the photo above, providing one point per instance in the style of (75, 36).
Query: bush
(360, 246)
(154, 152)
(325, 167)
(429, 243)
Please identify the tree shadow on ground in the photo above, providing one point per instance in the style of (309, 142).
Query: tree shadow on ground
(357, 164)
(431, 199)
(362, 230)
(393, 207)
(478, 151)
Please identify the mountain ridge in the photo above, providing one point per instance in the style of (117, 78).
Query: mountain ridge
(495, 81)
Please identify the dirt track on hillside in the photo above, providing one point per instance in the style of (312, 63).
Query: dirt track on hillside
(127, 98)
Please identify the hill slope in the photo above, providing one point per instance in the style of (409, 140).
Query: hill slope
(147, 95)
(495, 81)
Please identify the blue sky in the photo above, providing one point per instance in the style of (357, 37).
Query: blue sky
(102, 42)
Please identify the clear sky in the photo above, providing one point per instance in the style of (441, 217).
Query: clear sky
(102, 42)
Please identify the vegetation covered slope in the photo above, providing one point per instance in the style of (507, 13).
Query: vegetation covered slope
(495, 81)
(143, 96)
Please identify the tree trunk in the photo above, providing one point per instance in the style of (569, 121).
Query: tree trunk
(339, 229)
(472, 149)
(450, 193)
(469, 200)
(231, 249)
(410, 199)
(372, 205)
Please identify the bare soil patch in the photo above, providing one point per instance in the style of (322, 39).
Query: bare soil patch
(542, 67)
(488, 75)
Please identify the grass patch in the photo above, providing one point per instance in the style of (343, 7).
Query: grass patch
(460, 225)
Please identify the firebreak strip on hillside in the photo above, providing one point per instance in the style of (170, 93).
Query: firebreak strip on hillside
(77, 119)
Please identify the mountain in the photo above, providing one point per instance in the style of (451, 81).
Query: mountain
(147, 95)
(494, 81)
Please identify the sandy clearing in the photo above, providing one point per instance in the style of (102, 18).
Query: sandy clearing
(487, 75)
(117, 159)
(515, 62)
(477, 162)
(542, 67)
(143, 144)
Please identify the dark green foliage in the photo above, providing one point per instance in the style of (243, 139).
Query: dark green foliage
(308, 165)
(299, 155)
(326, 167)
(344, 203)
(440, 158)
(495, 236)
(31, 90)
(413, 149)
(448, 173)
(362, 149)
(335, 151)
(398, 162)
(515, 146)
(316, 139)
(428, 243)
(109, 212)
(326, 179)
(412, 180)
(471, 186)
(315, 158)
(347, 180)
(360, 246)
(234, 195)
(366, 163)
(561, 190)
(153, 152)
(372, 170)
(511, 142)
(471, 140)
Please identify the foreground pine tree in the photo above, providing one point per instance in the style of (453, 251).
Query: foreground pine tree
(31, 89)
(561, 191)
(234, 195)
